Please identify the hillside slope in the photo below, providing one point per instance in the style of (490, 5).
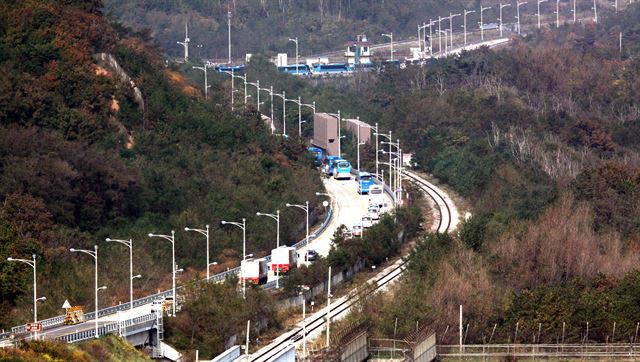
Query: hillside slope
(81, 159)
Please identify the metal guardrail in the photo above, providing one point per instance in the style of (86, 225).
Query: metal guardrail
(147, 320)
(59, 320)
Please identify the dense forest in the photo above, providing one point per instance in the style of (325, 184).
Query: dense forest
(92, 149)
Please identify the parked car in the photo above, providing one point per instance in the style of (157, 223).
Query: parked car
(367, 222)
(373, 212)
(356, 230)
(311, 255)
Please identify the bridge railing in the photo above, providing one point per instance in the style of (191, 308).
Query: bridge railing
(147, 321)
(59, 320)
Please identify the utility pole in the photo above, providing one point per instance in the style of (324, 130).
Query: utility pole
(502, 7)
(518, 13)
(431, 37)
(595, 11)
(466, 12)
(574, 11)
(440, 34)
(557, 14)
(206, 86)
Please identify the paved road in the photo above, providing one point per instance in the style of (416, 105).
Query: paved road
(348, 206)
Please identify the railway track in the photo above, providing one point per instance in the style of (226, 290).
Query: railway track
(447, 221)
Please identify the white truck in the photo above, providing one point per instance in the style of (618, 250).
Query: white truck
(376, 196)
(283, 259)
(253, 271)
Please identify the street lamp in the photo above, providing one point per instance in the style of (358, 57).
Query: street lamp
(204, 232)
(466, 12)
(185, 44)
(482, 10)
(244, 78)
(32, 263)
(451, 16)
(595, 11)
(574, 11)
(304, 207)
(242, 226)
(540, 2)
(502, 6)
(129, 244)
(390, 36)
(257, 85)
(297, 61)
(172, 239)
(337, 115)
(518, 4)
(390, 139)
(94, 255)
(558, 13)
(275, 217)
(284, 112)
(206, 86)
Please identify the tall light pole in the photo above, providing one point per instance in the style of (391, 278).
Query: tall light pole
(557, 13)
(295, 40)
(574, 11)
(440, 18)
(451, 16)
(185, 44)
(390, 36)
(518, 4)
(243, 226)
(304, 321)
(482, 10)
(502, 6)
(206, 86)
(466, 12)
(129, 244)
(431, 23)
(299, 117)
(540, 2)
(32, 263)
(172, 239)
(204, 232)
(595, 11)
(94, 255)
(271, 94)
(257, 85)
(275, 217)
(305, 208)
(284, 112)
(328, 306)
(337, 115)
(229, 32)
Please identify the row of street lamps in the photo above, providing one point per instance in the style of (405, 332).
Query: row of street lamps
(422, 28)
(171, 238)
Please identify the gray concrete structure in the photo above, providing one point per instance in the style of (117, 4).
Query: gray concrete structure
(325, 133)
(365, 131)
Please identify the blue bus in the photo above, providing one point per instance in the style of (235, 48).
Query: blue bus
(230, 68)
(365, 180)
(342, 169)
(331, 164)
(332, 68)
(317, 153)
(296, 69)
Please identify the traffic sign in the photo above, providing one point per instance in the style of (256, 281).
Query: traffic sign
(66, 304)
(34, 327)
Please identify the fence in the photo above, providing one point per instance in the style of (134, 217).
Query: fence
(618, 350)
(388, 348)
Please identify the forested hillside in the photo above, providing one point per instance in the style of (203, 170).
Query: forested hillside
(540, 141)
(85, 156)
(264, 26)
